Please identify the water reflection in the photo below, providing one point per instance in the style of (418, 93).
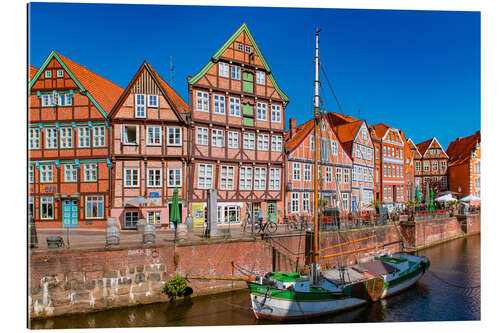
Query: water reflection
(456, 262)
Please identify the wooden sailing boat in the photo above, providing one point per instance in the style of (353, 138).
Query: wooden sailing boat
(292, 296)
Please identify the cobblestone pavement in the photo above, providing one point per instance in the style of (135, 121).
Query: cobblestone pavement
(96, 238)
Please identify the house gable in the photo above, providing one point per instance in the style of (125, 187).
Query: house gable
(230, 50)
(435, 145)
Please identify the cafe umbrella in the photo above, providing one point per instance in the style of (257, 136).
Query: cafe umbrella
(175, 215)
(431, 206)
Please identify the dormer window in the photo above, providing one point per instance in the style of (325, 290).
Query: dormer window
(60, 73)
(153, 101)
(48, 74)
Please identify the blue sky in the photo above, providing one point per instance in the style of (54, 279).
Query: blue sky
(414, 70)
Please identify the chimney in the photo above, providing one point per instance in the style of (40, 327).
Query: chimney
(293, 126)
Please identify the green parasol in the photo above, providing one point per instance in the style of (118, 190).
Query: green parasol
(431, 206)
(417, 194)
(175, 215)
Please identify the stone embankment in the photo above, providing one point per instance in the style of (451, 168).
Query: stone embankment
(75, 281)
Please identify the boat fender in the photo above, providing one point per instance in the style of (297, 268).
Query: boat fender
(422, 264)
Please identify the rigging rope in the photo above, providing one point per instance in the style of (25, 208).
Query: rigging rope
(452, 284)
(331, 88)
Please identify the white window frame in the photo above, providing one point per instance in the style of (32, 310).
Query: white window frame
(174, 176)
(346, 176)
(233, 140)
(246, 174)
(274, 179)
(205, 176)
(48, 100)
(263, 142)
(275, 113)
(31, 173)
(260, 175)
(261, 78)
(131, 177)
(234, 107)
(153, 100)
(60, 73)
(154, 217)
(34, 138)
(125, 136)
(66, 138)
(276, 143)
(345, 201)
(48, 74)
(219, 104)
(328, 174)
(426, 166)
(202, 101)
(70, 173)
(65, 99)
(90, 172)
(202, 136)
(223, 69)
(235, 72)
(435, 166)
(296, 171)
(306, 197)
(226, 177)
(94, 200)
(51, 138)
(335, 147)
(307, 172)
(295, 202)
(338, 175)
(140, 108)
(129, 217)
(45, 201)
(249, 141)
(154, 177)
(176, 139)
(83, 137)
(217, 138)
(46, 173)
(99, 136)
(153, 135)
(261, 111)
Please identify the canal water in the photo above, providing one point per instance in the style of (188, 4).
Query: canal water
(438, 296)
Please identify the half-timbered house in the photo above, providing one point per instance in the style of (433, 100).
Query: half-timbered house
(464, 169)
(149, 150)
(430, 166)
(409, 175)
(237, 125)
(335, 167)
(357, 142)
(68, 144)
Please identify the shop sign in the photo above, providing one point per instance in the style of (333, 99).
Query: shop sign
(198, 211)
(48, 188)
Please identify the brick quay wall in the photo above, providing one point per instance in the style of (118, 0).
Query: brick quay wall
(66, 281)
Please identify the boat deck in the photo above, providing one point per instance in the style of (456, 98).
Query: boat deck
(350, 275)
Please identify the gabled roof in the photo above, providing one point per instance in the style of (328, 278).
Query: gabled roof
(461, 149)
(347, 132)
(380, 130)
(177, 104)
(102, 92)
(424, 146)
(31, 72)
(301, 132)
(339, 119)
(224, 47)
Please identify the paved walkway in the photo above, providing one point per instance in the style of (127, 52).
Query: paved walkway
(96, 238)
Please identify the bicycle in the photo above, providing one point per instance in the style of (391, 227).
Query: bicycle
(269, 226)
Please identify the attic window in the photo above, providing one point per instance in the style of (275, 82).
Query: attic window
(130, 134)
(240, 47)
(248, 49)
(153, 100)
(48, 74)
(60, 73)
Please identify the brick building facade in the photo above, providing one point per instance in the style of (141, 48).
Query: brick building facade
(464, 168)
(430, 166)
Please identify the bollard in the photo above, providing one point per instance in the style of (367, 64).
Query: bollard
(112, 232)
(148, 234)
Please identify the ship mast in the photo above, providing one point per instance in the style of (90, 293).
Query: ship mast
(317, 147)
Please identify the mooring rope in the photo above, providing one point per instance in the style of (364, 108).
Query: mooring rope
(452, 284)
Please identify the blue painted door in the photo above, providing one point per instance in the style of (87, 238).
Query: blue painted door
(354, 204)
(70, 213)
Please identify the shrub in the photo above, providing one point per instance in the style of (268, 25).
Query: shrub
(175, 287)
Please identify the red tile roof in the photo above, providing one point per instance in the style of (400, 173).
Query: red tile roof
(300, 134)
(461, 149)
(422, 146)
(380, 130)
(339, 119)
(31, 72)
(102, 90)
(347, 132)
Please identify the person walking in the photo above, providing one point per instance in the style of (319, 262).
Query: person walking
(260, 216)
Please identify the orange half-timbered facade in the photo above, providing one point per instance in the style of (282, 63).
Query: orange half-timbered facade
(464, 169)
(237, 132)
(149, 150)
(335, 168)
(69, 169)
(430, 166)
